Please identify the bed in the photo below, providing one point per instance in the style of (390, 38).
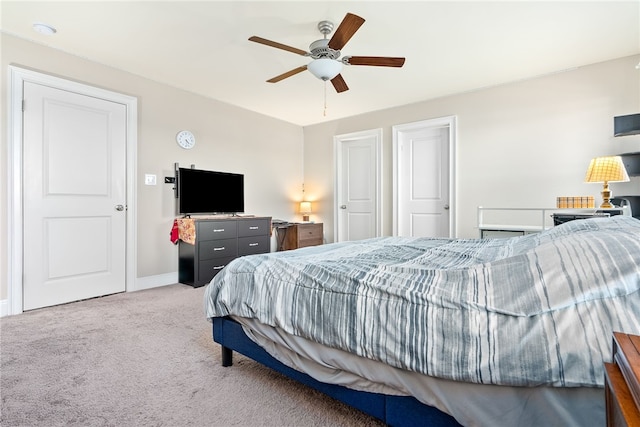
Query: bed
(442, 331)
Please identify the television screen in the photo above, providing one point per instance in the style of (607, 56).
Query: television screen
(209, 192)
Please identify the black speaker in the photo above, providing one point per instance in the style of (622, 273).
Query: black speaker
(626, 125)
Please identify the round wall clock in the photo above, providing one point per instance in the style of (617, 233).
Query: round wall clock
(185, 139)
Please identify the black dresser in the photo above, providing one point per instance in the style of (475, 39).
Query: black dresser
(218, 241)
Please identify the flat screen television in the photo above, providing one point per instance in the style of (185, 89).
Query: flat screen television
(209, 192)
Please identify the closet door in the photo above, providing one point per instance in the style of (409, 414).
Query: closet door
(74, 192)
(358, 185)
(422, 179)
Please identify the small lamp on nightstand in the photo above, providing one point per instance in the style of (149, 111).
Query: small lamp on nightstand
(606, 169)
(305, 210)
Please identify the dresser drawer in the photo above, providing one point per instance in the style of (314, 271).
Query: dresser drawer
(217, 248)
(621, 411)
(254, 227)
(301, 236)
(622, 382)
(626, 355)
(309, 242)
(311, 232)
(253, 245)
(208, 230)
(209, 268)
(218, 241)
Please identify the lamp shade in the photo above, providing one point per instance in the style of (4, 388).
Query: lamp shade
(606, 169)
(305, 207)
(325, 68)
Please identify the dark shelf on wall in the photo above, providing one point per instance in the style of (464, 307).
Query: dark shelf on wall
(631, 163)
(626, 125)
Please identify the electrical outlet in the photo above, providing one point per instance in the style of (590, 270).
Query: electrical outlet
(149, 179)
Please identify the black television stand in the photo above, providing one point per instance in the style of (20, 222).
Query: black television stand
(218, 241)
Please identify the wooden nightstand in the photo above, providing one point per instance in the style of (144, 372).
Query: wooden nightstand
(303, 235)
(622, 381)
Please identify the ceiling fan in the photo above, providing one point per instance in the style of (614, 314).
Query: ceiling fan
(326, 64)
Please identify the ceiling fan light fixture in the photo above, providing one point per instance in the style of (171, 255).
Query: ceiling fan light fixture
(325, 68)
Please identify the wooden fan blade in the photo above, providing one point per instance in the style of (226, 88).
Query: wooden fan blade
(378, 61)
(345, 31)
(277, 45)
(339, 84)
(283, 76)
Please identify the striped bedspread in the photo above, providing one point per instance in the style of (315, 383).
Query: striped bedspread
(526, 311)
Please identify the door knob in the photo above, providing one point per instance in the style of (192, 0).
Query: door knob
(446, 207)
(343, 207)
(119, 207)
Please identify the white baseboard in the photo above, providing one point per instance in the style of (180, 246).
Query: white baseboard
(4, 308)
(141, 283)
(149, 282)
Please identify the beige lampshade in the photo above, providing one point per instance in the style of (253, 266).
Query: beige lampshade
(606, 169)
(305, 207)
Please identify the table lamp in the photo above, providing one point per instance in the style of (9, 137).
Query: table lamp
(606, 169)
(305, 210)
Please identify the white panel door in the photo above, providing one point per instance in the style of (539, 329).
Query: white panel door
(74, 196)
(422, 181)
(358, 186)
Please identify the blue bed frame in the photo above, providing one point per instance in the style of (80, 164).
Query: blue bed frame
(395, 411)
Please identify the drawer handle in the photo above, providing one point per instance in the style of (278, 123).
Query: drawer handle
(253, 244)
(220, 267)
(218, 230)
(255, 227)
(219, 249)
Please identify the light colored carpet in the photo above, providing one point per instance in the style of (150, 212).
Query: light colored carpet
(146, 359)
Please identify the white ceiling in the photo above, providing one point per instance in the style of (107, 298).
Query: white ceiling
(450, 46)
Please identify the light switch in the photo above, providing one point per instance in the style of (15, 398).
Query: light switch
(149, 179)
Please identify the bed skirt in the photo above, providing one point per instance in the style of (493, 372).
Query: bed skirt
(393, 410)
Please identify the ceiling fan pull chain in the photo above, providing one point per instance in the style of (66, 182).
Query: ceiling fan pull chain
(325, 99)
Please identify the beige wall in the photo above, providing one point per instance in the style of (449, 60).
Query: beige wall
(267, 151)
(519, 145)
